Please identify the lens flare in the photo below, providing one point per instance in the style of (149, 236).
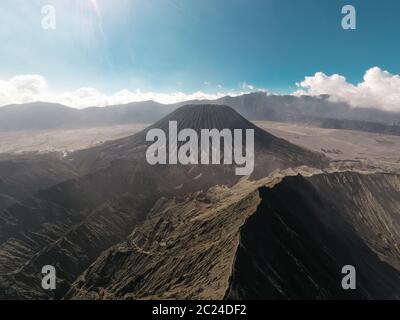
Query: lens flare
(95, 6)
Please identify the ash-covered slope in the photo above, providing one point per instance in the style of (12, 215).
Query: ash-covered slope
(271, 153)
(184, 250)
(69, 224)
(275, 239)
(21, 175)
(305, 230)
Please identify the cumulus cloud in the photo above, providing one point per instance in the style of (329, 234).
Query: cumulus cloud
(22, 88)
(379, 89)
(31, 88)
(85, 97)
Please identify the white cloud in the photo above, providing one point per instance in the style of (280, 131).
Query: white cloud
(86, 97)
(379, 89)
(247, 86)
(21, 89)
(32, 88)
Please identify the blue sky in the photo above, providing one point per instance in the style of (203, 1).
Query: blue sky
(189, 45)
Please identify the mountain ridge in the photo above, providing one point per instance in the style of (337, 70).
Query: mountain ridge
(253, 106)
(238, 233)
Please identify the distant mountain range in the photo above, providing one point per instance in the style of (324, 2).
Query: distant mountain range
(255, 106)
(42, 115)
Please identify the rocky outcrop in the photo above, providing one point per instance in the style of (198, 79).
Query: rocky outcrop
(184, 250)
(272, 239)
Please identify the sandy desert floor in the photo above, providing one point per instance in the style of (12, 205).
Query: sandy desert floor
(63, 140)
(367, 149)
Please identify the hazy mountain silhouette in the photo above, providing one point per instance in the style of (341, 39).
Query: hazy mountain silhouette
(288, 108)
(42, 115)
(254, 106)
